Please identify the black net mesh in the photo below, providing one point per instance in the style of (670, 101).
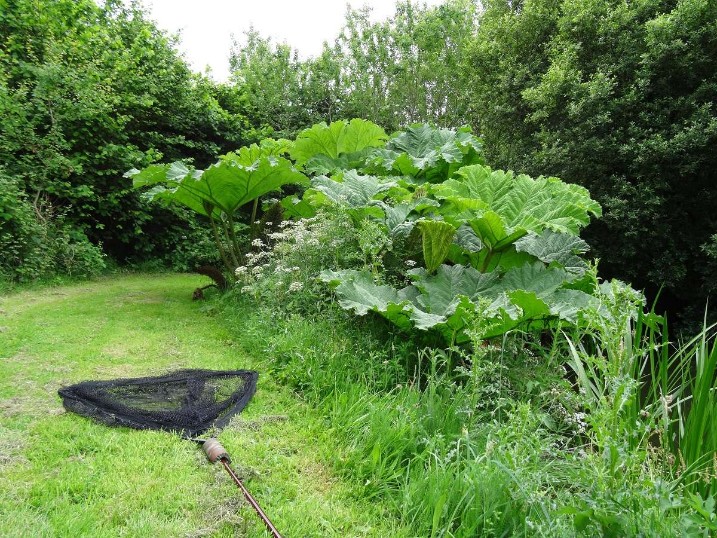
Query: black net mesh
(188, 401)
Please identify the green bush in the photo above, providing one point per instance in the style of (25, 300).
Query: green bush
(75, 256)
(37, 244)
(620, 98)
(22, 237)
(88, 91)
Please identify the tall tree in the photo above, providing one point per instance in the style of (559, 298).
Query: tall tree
(620, 97)
(408, 69)
(88, 92)
(396, 72)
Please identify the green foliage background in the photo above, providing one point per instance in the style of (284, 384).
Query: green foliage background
(618, 97)
(86, 93)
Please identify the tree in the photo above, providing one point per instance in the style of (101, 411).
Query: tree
(407, 69)
(619, 97)
(88, 92)
(395, 73)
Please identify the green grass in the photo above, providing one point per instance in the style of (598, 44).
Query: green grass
(64, 475)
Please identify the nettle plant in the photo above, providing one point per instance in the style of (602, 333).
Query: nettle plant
(487, 245)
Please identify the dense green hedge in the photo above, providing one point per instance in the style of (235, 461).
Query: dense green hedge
(88, 92)
(619, 97)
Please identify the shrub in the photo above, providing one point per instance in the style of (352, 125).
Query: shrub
(37, 244)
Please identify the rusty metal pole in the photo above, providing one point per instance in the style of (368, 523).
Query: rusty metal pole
(215, 452)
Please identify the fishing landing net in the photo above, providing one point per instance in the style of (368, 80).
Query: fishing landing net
(188, 402)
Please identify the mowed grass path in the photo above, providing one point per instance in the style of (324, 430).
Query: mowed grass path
(65, 475)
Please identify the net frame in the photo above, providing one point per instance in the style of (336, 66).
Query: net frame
(102, 400)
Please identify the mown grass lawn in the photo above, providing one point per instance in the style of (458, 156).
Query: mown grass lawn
(64, 475)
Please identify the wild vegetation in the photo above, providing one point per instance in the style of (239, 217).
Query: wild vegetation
(617, 98)
(65, 475)
(462, 280)
(502, 338)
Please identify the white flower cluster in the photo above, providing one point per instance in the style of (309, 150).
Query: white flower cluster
(296, 286)
(293, 254)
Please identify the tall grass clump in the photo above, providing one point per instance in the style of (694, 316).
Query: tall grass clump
(683, 399)
(651, 404)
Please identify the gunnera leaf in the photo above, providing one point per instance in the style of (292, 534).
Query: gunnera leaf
(437, 239)
(429, 152)
(296, 208)
(501, 207)
(440, 290)
(358, 292)
(230, 184)
(535, 277)
(553, 247)
(224, 186)
(339, 138)
(351, 189)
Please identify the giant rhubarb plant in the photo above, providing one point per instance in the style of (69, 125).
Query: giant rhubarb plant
(218, 192)
(499, 249)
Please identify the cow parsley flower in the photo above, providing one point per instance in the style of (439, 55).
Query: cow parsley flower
(296, 286)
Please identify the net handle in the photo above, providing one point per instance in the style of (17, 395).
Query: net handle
(216, 452)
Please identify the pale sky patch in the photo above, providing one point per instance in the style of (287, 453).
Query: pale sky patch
(206, 26)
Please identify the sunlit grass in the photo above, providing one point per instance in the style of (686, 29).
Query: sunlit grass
(65, 475)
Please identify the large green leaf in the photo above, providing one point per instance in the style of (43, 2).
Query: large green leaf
(535, 277)
(456, 295)
(230, 184)
(501, 207)
(539, 292)
(552, 247)
(359, 293)
(438, 291)
(166, 181)
(451, 323)
(437, 239)
(223, 187)
(324, 165)
(156, 174)
(296, 208)
(334, 140)
(396, 215)
(268, 147)
(352, 189)
(467, 240)
(429, 152)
